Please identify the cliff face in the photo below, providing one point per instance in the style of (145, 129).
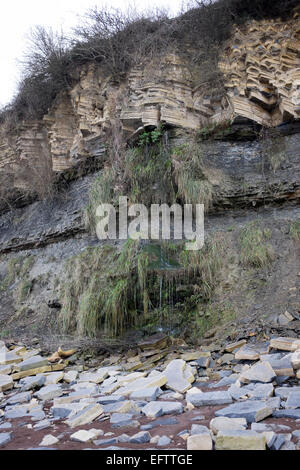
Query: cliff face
(249, 157)
(261, 68)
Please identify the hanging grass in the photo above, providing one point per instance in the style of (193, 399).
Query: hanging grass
(109, 290)
(193, 185)
(102, 192)
(295, 230)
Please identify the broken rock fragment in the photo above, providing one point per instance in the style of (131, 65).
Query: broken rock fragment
(179, 376)
(260, 372)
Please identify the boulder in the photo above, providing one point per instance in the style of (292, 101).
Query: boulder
(6, 383)
(227, 424)
(260, 372)
(200, 442)
(240, 440)
(155, 409)
(251, 410)
(285, 344)
(85, 416)
(177, 378)
(209, 398)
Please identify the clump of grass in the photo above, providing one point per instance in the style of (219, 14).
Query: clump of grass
(295, 230)
(102, 192)
(210, 317)
(100, 290)
(146, 179)
(149, 174)
(274, 150)
(193, 185)
(204, 266)
(255, 251)
(110, 291)
(215, 130)
(17, 268)
(24, 289)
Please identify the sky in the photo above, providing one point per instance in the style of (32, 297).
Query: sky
(19, 16)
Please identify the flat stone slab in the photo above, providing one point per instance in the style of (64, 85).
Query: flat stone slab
(195, 355)
(118, 407)
(6, 383)
(294, 414)
(231, 379)
(163, 441)
(159, 408)
(295, 360)
(15, 412)
(53, 378)
(251, 410)
(160, 422)
(247, 352)
(110, 399)
(5, 426)
(92, 387)
(74, 396)
(200, 442)
(85, 416)
(209, 398)
(273, 403)
(227, 424)
(202, 362)
(22, 397)
(157, 341)
(260, 372)
(157, 380)
(94, 377)
(83, 436)
(199, 429)
(67, 410)
(5, 438)
(44, 424)
(9, 358)
(30, 383)
(285, 344)
(176, 377)
(49, 440)
(282, 367)
(49, 392)
(5, 370)
(33, 363)
(127, 379)
(147, 394)
(140, 438)
(293, 400)
(106, 442)
(118, 420)
(283, 392)
(70, 376)
(240, 440)
(233, 346)
(256, 391)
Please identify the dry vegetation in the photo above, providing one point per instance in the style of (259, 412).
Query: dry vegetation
(119, 40)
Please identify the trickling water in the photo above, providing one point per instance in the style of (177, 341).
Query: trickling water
(164, 270)
(166, 141)
(160, 298)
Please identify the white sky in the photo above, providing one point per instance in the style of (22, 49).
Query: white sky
(19, 16)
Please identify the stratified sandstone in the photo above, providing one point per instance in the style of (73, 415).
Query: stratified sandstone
(261, 68)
